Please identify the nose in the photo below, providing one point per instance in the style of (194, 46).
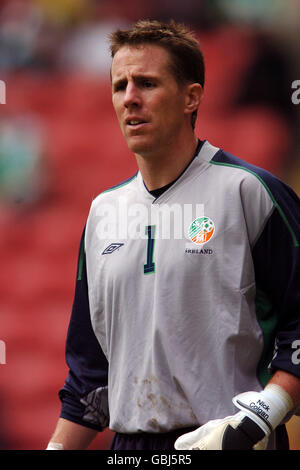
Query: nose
(131, 97)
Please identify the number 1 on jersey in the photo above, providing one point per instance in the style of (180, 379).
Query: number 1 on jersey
(150, 266)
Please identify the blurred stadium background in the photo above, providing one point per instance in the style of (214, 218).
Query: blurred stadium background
(60, 146)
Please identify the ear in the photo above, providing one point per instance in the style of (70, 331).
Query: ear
(193, 98)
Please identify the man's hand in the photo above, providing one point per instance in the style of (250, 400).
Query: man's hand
(249, 429)
(237, 432)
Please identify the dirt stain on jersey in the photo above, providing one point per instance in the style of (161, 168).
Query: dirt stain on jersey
(154, 424)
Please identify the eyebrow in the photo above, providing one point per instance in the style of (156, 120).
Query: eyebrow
(136, 78)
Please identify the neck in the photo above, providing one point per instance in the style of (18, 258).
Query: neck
(162, 167)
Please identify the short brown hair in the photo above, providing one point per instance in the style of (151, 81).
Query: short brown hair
(187, 60)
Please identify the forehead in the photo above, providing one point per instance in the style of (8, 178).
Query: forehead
(142, 59)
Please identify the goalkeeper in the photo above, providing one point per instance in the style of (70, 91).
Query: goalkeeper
(192, 341)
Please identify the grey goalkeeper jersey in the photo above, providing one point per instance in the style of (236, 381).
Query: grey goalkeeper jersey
(184, 300)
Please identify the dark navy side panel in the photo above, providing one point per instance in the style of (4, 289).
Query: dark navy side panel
(88, 366)
(276, 258)
(277, 272)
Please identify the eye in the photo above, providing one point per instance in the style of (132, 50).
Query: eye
(148, 83)
(121, 86)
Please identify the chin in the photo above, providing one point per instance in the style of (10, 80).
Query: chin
(139, 146)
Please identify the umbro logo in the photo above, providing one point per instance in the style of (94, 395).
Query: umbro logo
(111, 248)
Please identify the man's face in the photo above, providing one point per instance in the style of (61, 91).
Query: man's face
(147, 99)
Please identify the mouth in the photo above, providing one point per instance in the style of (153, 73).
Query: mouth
(135, 123)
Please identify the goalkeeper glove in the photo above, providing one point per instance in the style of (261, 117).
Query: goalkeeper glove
(249, 429)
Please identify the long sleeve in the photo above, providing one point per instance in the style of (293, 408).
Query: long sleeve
(272, 216)
(276, 257)
(84, 395)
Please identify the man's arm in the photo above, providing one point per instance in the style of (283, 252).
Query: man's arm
(290, 383)
(84, 396)
(71, 436)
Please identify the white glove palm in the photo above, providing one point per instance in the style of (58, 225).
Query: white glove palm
(215, 435)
